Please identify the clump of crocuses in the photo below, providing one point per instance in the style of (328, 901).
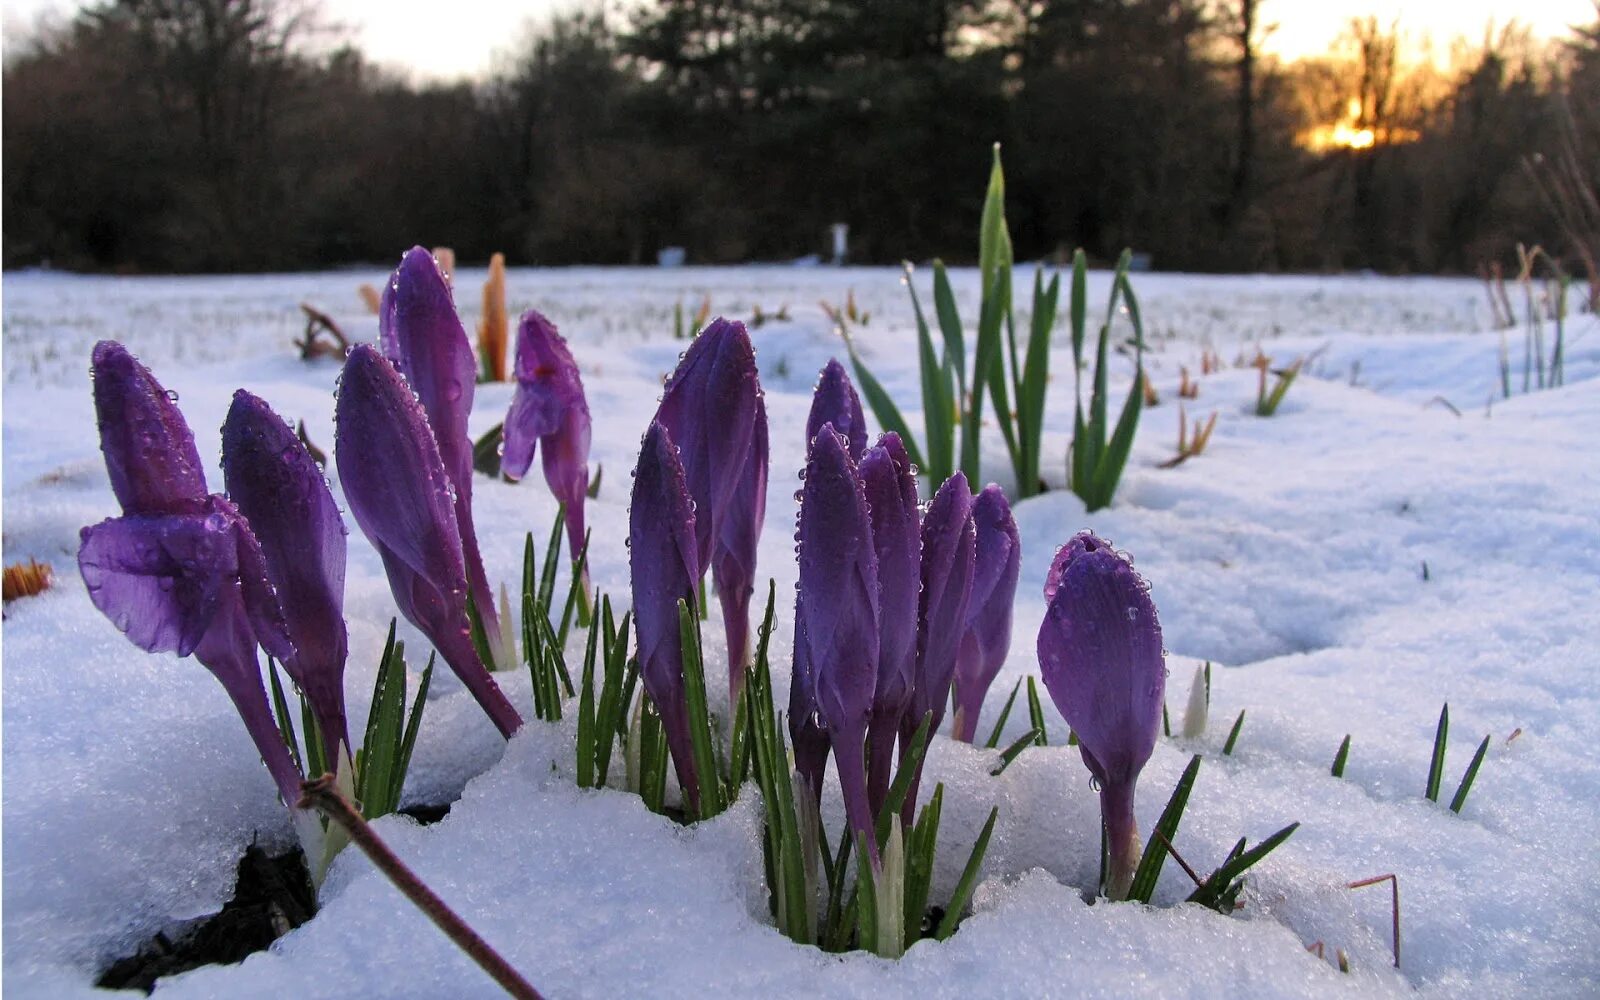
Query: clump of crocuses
(419, 330)
(401, 494)
(1102, 660)
(549, 411)
(180, 571)
(714, 412)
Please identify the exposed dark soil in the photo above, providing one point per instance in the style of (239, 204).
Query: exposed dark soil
(272, 897)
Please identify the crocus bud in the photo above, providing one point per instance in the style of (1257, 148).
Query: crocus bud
(277, 486)
(890, 488)
(834, 401)
(1195, 716)
(400, 495)
(806, 736)
(149, 449)
(948, 554)
(838, 602)
(549, 410)
(713, 409)
(420, 332)
(994, 592)
(1101, 658)
(664, 569)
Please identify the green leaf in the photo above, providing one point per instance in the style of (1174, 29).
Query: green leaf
(574, 591)
(1233, 735)
(552, 549)
(707, 774)
(955, 341)
(1165, 833)
(586, 715)
(994, 241)
(920, 846)
(968, 882)
(1014, 751)
(889, 416)
(280, 709)
(594, 484)
(937, 407)
(1219, 890)
(1036, 713)
(900, 787)
(1470, 776)
(486, 451)
(1340, 758)
(480, 636)
(1079, 307)
(1035, 380)
(1436, 768)
(652, 756)
(409, 743)
(1005, 713)
(866, 898)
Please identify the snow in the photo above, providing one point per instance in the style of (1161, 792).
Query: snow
(1290, 555)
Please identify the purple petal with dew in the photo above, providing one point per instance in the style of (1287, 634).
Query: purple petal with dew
(834, 401)
(149, 450)
(987, 639)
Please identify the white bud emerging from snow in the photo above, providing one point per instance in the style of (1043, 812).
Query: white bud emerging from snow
(1194, 719)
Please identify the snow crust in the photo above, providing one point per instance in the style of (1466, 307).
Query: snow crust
(1291, 555)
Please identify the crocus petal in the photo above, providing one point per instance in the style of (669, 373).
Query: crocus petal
(835, 402)
(427, 343)
(664, 569)
(1080, 543)
(714, 411)
(1101, 659)
(806, 735)
(273, 480)
(149, 449)
(890, 488)
(994, 590)
(948, 554)
(839, 604)
(136, 573)
(400, 495)
(548, 389)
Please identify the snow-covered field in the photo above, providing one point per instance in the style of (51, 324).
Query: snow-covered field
(1349, 565)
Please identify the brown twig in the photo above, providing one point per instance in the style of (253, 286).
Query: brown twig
(316, 322)
(320, 793)
(1177, 857)
(1394, 884)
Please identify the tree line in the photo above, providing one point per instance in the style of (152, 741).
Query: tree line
(233, 135)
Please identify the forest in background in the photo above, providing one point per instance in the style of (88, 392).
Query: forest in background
(244, 135)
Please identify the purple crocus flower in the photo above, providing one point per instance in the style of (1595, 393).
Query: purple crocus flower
(890, 488)
(839, 604)
(180, 571)
(273, 480)
(834, 401)
(549, 410)
(948, 554)
(1101, 658)
(994, 591)
(664, 568)
(713, 409)
(419, 331)
(399, 493)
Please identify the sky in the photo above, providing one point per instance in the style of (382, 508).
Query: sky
(459, 38)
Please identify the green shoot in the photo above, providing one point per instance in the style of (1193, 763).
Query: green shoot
(1233, 735)
(1471, 774)
(1436, 767)
(1005, 713)
(1342, 757)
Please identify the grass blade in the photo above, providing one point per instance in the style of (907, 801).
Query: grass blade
(1470, 776)
(1342, 757)
(1166, 830)
(969, 880)
(888, 414)
(707, 774)
(1013, 751)
(1436, 768)
(1233, 735)
(1005, 713)
(1036, 712)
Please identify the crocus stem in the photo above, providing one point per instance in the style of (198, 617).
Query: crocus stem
(1122, 837)
(849, 756)
(908, 732)
(228, 649)
(881, 730)
(321, 794)
(736, 626)
(463, 659)
(675, 721)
